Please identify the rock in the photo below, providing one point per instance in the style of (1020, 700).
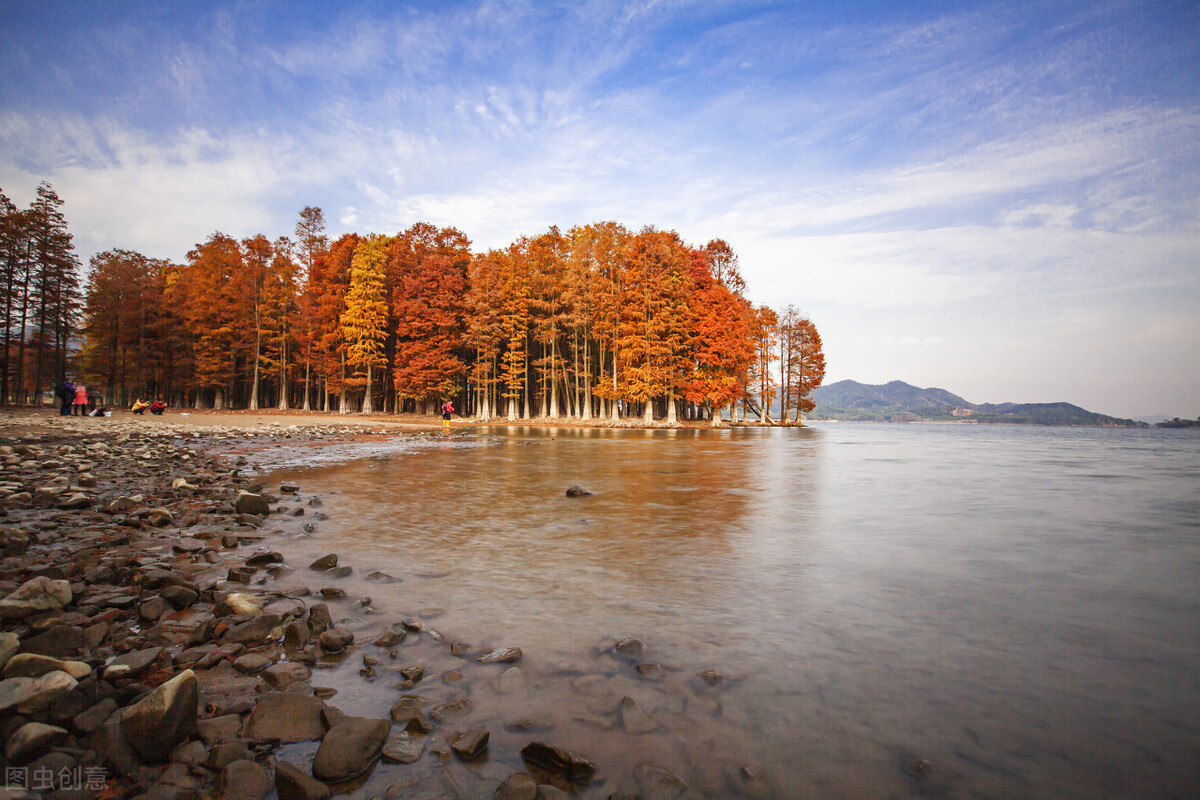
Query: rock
(35, 596)
(339, 572)
(349, 749)
(405, 709)
(575, 490)
(332, 593)
(255, 630)
(14, 691)
(319, 620)
(219, 730)
(324, 562)
(31, 740)
(336, 640)
(285, 673)
(508, 655)
(296, 634)
(31, 665)
(511, 680)
(558, 761)
(244, 780)
(633, 719)
(160, 518)
(78, 500)
(414, 673)
(285, 717)
(452, 710)
(651, 672)
(188, 547)
(286, 607)
(164, 718)
(179, 596)
(60, 641)
(241, 603)
(547, 792)
(45, 691)
(190, 754)
(711, 677)
(630, 647)
(132, 664)
(225, 753)
(393, 636)
(404, 747)
(252, 663)
(263, 559)
(291, 783)
(249, 503)
(9, 643)
(289, 487)
(469, 745)
(153, 609)
(658, 783)
(518, 786)
(89, 721)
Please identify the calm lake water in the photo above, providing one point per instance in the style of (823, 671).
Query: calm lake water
(899, 611)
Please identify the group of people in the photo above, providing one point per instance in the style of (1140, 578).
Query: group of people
(157, 407)
(73, 397)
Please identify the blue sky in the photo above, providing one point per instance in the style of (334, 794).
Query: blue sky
(1002, 199)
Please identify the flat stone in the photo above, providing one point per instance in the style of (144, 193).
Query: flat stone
(630, 647)
(651, 672)
(286, 607)
(60, 641)
(179, 597)
(252, 663)
(349, 749)
(558, 761)
(512, 680)
(31, 665)
(160, 518)
(292, 783)
(285, 673)
(153, 609)
(575, 490)
(244, 780)
(507, 655)
(36, 596)
(31, 740)
(518, 786)
(263, 559)
(14, 691)
(451, 710)
(285, 717)
(219, 730)
(132, 663)
(250, 503)
(89, 721)
(164, 718)
(45, 691)
(324, 562)
(254, 630)
(339, 572)
(332, 593)
(404, 747)
(242, 603)
(470, 744)
(223, 754)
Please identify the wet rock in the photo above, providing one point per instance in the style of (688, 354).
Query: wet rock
(391, 637)
(36, 596)
(292, 783)
(575, 490)
(518, 786)
(507, 655)
(558, 761)
(31, 740)
(286, 607)
(288, 487)
(285, 717)
(188, 547)
(349, 749)
(332, 593)
(380, 576)
(219, 730)
(658, 783)
(469, 745)
(630, 647)
(711, 677)
(239, 603)
(324, 562)
(296, 634)
(651, 672)
(633, 719)
(132, 664)
(255, 630)
(153, 609)
(179, 597)
(31, 665)
(451, 710)
(336, 640)
(453, 676)
(225, 753)
(252, 663)
(250, 503)
(511, 680)
(404, 747)
(160, 518)
(164, 718)
(76, 501)
(405, 709)
(460, 649)
(414, 673)
(263, 559)
(244, 780)
(285, 673)
(319, 619)
(339, 572)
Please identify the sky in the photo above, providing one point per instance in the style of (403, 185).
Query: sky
(1001, 199)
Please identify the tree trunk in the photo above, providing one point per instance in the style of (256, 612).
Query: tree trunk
(368, 406)
(307, 378)
(671, 418)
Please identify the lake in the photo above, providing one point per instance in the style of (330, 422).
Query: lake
(893, 610)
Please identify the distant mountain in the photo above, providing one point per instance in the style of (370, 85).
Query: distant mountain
(902, 402)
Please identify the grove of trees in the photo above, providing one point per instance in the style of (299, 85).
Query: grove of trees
(596, 322)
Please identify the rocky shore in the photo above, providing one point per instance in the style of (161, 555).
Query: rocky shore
(155, 644)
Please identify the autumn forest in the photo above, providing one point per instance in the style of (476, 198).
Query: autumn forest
(598, 323)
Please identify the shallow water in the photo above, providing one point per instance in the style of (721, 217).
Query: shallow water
(902, 611)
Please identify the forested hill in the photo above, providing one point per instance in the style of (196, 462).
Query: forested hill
(902, 402)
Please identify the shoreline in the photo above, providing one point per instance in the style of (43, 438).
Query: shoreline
(166, 648)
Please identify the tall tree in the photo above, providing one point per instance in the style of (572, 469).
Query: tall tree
(311, 243)
(720, 343)
(809, 365)
(214, 314)
(364, 321)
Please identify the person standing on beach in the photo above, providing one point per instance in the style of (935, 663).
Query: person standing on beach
(447, 410)
(81, 400)
(65, 392)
